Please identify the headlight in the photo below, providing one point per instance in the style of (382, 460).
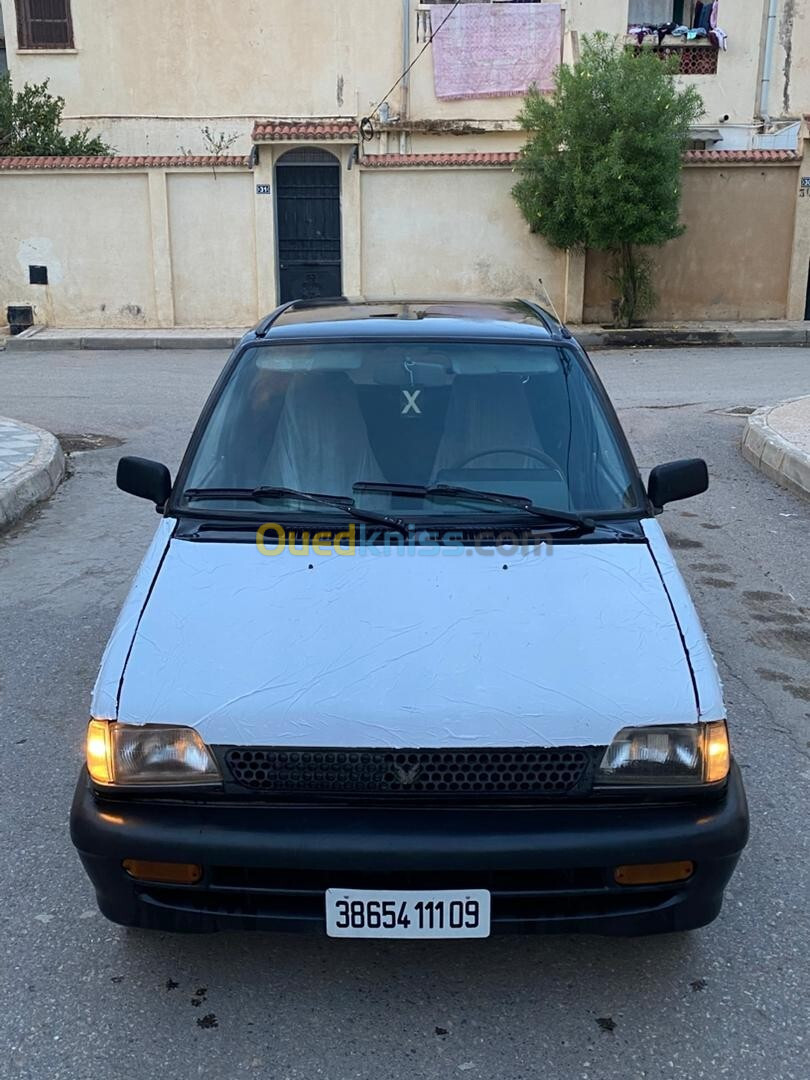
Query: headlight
(127, 754)
(667, 756)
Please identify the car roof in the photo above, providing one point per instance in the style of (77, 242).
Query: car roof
(409, 319)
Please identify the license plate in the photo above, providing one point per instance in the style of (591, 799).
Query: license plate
(373, 913)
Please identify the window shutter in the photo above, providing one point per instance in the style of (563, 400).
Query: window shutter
(44, 24)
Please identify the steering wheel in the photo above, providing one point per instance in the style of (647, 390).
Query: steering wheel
(537, 455)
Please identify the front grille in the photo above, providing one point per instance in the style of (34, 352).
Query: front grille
(522, 773)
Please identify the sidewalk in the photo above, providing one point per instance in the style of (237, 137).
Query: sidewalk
(32, 466)
(777, 441)
(46, 339)
(776, 332)
(676, 335)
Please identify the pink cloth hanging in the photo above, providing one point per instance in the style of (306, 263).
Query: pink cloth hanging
(495, 50)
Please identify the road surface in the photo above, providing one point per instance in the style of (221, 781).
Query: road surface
(82, 998)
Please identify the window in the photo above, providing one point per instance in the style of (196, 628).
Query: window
(517, 419)
(656, 12)
(44, 24)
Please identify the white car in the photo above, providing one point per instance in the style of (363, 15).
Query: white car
(409, 655)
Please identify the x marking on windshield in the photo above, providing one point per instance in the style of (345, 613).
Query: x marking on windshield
(410, 402)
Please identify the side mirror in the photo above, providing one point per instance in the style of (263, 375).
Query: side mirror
(144, 478)
(677, 480)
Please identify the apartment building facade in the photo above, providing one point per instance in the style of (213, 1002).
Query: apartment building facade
(270, 148)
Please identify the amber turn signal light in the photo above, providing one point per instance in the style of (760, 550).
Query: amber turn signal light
(170, 873)
(653, 873)
(98, 751)
(716, 752)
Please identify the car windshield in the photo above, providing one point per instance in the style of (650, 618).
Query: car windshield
(513, 419)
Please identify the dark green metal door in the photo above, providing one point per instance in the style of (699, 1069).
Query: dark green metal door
(308, 209)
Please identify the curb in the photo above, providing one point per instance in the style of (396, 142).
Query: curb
(780, 460)
(34, 481)
(663, 338)
(31, 341)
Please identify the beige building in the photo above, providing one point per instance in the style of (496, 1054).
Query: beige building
(269, 149)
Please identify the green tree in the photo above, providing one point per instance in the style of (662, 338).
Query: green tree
(601, 167)
(31, 125)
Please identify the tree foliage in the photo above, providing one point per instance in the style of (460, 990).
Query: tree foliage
(31, 125)
(602, 164)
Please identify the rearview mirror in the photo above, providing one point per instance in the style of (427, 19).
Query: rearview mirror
(677, 480)
(144, 478)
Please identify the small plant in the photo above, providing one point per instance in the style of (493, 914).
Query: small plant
(602, 165)
(31, 125)
(216, 143)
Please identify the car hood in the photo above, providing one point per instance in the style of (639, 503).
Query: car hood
(427, 647)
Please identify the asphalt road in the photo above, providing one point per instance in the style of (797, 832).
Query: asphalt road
(81, 998)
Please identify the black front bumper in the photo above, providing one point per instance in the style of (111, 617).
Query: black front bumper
(550, 868)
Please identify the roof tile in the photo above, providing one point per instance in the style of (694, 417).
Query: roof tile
(319, 131)
(321, 128)
(181, 161)
(691, 157)
(378, 161)
(731, 156)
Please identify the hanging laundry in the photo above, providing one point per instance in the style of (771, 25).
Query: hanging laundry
(640, 32)
(662, 30)
(705, 22)
(719, 38)
(495, 50)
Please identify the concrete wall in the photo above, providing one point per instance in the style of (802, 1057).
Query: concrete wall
(189, 63)
(451, 233)
(213, 248)
(126, 248)
(790, 87)
(733, 90)
(92, 232)
(196, 246)
(205, 57)
(734, 260)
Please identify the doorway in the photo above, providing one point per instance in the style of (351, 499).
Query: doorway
(308, 225)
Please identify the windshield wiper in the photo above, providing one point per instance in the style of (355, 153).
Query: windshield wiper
(452, 491)
(338, 502)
